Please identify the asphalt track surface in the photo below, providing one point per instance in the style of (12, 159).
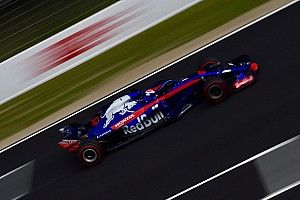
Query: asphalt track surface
(206, 141)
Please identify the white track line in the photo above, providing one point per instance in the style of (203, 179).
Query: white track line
(282, 190)
(13, 171)
(151, 74)
(235, 166)
(20, 196)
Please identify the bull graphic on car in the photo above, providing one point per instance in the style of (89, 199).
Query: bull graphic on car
(120, 106)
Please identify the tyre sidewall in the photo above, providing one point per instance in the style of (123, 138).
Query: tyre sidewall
(210, 61)
(217, 83)
(92, 145)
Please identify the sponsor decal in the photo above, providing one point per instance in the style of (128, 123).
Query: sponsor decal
(68, 142)
(243, 81)
(123, 121)
(70, 145)
(120, 106)
(144, 121)
(99, 136)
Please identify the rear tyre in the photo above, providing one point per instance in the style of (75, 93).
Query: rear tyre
(90, 153)
(215, 91)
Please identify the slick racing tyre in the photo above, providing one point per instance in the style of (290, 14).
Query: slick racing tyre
(210, 64)
(90, 153)
(215, 91)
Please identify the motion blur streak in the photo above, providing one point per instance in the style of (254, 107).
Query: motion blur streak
(83, 41)
(79, 42)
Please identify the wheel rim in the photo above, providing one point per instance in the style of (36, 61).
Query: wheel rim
(215, 92)
(89, 155)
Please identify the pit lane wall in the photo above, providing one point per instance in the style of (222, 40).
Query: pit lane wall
(83, 41)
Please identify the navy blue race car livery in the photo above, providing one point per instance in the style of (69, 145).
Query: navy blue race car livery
(131, 116)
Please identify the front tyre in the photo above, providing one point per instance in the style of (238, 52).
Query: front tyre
(90, 153)
(215, 91)
(210, 64)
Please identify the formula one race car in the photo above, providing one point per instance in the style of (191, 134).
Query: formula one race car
(131, 116)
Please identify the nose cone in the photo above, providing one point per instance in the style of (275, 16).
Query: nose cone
(254, 66)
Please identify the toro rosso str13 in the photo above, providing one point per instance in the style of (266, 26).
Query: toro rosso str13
(131, 116)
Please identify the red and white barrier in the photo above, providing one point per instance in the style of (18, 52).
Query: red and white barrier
(83, 41)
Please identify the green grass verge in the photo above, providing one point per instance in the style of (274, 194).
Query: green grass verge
(28, 22)
(36, 104)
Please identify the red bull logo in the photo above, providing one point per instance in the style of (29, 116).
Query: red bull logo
(144, 121)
